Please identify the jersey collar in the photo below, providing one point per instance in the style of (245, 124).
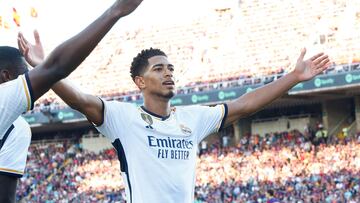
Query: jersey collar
(163, 118)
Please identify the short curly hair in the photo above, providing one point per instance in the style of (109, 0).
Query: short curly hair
(140, 62)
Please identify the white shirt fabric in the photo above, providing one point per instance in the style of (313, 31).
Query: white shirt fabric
(158, 154)
(15, 134)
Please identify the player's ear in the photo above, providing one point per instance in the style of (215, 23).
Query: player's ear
(139, 81)
(5, 75)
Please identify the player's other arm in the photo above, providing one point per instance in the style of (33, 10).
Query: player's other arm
(89, 105)
(68, 55)
(257, 99)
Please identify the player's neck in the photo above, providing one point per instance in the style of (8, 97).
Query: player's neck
(158, 106)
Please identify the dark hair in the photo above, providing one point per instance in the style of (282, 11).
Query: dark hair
(270, 192)
(12, 60)
(141, 61)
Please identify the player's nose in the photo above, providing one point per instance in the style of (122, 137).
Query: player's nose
(168, 73)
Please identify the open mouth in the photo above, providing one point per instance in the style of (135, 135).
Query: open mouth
(168, 83)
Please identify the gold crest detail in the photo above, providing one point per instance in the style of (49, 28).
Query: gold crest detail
(185, 129)
(147, 118)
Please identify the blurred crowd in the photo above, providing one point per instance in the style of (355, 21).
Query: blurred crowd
(234, 45)
(44, 160)
(84, 177)
(286, 163)
(281, 167)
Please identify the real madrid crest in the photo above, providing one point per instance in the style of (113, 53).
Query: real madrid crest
(185, 129)
(147, 118)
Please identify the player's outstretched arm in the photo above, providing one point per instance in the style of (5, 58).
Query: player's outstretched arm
(257, 99)
(89, 105)
(68, 55)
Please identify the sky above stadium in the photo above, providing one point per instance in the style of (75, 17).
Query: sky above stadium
(58, 20)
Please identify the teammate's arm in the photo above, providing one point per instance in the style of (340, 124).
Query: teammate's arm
(257, 99)
(68, 55)
(89, 105)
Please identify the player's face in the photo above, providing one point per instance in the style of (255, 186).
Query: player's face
(158, 77)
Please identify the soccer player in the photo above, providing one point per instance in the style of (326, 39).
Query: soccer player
(19, 88)
(157, 143)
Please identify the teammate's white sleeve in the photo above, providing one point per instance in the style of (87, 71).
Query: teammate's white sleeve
(116, 119)
(15, 99)
(210, 119)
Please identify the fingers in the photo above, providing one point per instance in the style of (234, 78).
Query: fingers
(21, 48)
(21, 36)
(322, 68)
(20, 39)
(316, 56)
(37, 37)
(21, 44)
(324, 62)
(26, 52)
(302, 54)
(328, 64)
(321, 59)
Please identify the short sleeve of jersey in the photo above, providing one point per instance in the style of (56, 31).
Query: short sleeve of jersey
(209, 119)
(116, 119)
(15, 99)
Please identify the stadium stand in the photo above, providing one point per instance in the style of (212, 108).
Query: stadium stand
(247, 41)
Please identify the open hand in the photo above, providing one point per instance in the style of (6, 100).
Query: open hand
(306, 70)
(33, 53)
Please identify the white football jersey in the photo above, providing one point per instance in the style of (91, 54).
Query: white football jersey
(15, 134)
(158, 154)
